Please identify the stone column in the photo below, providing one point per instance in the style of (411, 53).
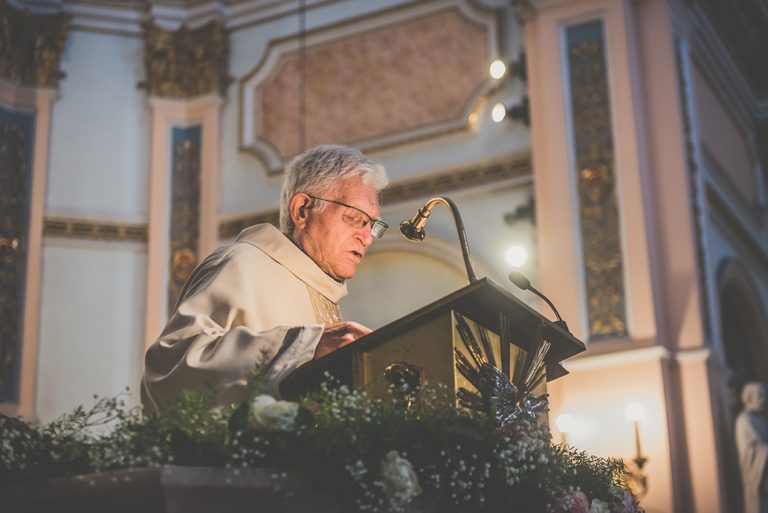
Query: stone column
(186, 79)
(30, 54)
(617, 248)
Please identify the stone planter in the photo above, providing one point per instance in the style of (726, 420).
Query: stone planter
(170, 489)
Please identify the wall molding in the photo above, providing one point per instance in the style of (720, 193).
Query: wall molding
(407, 190)
(737, 227)
(88, 229)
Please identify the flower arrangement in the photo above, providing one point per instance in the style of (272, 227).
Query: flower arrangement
(373, 454)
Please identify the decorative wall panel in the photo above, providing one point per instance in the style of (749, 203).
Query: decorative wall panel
(185, 208)
(16, 144)
(404, 80)
(594, 163)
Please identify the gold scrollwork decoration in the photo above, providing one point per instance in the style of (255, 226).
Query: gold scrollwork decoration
(187, 62)
(595, 162)
(182, 262)
(185, 209)
(31, 46)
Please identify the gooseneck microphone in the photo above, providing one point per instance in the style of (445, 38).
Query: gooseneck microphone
(524, 283)
(413, 229)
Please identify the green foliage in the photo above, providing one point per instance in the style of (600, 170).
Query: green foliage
(376, 454)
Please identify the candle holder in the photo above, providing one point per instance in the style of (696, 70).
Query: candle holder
(636, 479)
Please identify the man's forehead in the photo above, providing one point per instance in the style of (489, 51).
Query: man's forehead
(355, 191)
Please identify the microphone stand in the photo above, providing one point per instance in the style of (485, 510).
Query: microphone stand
(413, 229)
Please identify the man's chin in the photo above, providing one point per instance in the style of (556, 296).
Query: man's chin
(342, 274)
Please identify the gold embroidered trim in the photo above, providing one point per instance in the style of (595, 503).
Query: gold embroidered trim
(326, 311)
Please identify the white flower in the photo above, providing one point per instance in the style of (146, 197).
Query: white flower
(399, 480)
(269, 413)
(599, 506)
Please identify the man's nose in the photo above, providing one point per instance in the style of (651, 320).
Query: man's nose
(365, 233)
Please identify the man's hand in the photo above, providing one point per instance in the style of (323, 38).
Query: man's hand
(339, 335)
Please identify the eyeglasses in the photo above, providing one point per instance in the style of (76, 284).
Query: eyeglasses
(357, 218)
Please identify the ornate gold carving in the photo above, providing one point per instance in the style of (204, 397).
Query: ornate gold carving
(326, 311)
(182, 262)
(90, 230)
(31, 46)
(185, 209)
(598, 208)
(366, 87)
(16, 139)
(187, 62)
(406, 190)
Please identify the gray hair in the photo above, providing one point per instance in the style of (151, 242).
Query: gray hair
(317, 172)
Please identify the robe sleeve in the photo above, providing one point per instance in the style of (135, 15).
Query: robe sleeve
(207, 345)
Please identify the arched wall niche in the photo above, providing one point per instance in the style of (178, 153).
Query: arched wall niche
(743, 326)
(742, 357)
(397, 277)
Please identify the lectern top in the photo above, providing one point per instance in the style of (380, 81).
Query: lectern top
(482, 301)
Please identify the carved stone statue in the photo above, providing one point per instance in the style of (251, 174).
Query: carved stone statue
(752, 446)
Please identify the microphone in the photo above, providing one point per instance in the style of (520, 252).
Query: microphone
(413, 229)
(524, 283)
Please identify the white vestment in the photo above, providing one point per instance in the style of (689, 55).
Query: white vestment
(259, 295)
(752, 446)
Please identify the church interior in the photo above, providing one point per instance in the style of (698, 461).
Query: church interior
(613, 151)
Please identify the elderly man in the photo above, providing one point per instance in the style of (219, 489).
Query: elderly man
(273, 293)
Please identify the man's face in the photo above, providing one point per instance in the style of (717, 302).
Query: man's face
(334, 245)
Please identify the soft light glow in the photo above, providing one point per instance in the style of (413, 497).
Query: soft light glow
(564, 422)
(516, 256)
(499, 112)
(634, 412)
(472, 118)
(498, 69)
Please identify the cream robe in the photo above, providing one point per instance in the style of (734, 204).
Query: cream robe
(261, 294)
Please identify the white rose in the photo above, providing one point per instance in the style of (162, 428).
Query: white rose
(400, 481)
(599, 506)
(269, 413)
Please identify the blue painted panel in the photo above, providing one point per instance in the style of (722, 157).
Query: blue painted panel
(16, 150)
(185, 208)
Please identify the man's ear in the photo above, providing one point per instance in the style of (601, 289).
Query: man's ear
(299, 207)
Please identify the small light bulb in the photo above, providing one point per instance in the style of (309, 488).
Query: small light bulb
(499, 112)
(564, 422)
(634, 412)
(516, 256)
(497, 69)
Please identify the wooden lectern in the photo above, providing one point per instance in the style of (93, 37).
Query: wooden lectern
(426, 341)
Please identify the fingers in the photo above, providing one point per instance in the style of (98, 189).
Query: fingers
(346, 330)
(359, 329)
(338, 335)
